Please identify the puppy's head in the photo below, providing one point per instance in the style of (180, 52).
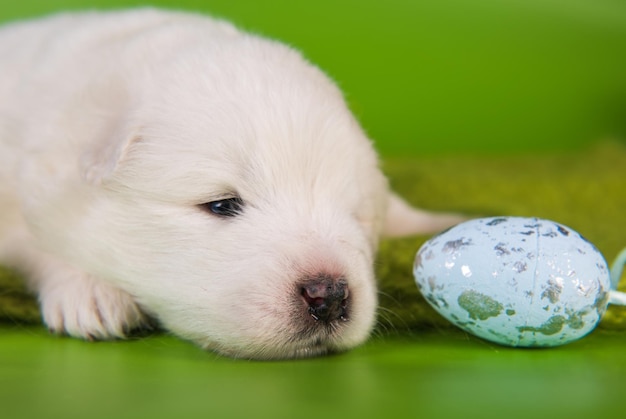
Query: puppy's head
(241, 204)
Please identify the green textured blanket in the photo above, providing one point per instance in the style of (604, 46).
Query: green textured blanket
(585, 190)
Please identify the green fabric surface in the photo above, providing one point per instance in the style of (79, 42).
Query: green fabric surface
(584, 190)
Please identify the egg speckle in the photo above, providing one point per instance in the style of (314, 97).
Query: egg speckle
(515, 281)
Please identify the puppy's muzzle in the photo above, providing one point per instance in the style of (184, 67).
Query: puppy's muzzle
(327, 298)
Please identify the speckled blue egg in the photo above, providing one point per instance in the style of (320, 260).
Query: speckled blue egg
(515, 281)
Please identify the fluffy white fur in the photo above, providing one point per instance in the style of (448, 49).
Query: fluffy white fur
(115, 127)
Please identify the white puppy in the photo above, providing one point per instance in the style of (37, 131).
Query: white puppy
(166, 166)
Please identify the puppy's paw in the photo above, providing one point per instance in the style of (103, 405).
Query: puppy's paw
(78, 305)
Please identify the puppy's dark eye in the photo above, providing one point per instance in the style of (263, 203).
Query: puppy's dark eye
(224, 207)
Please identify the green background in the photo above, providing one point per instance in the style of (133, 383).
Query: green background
(485, 107)
(440, 75)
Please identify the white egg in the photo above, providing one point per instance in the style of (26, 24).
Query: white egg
(515, 281)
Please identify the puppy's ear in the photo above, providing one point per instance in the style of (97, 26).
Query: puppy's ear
(110, 124)
(404, 220)
(99, 161)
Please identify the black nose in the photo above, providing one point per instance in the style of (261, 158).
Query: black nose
(327, 298)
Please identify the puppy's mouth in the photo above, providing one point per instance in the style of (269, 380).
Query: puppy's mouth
(297, 347)
(318, 347)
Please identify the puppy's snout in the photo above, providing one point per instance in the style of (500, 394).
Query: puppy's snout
(326, 297)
